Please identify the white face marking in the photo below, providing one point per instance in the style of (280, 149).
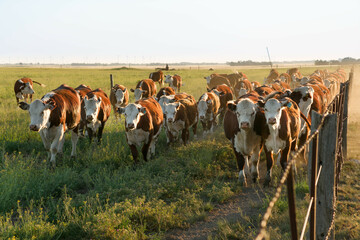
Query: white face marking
(245, 112)
(47, 96)
(208, 78)
(203, 106)
(138, 93)
(92, 108)
(39, 115)
(171, 110)
(304, 80)
(242, 92)
(168, 79)
(27, 89)
(132, 115)
(165, 99)
(273, 112)
(305, 105)
(120, 96)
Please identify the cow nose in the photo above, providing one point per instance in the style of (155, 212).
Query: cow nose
(201, 117)
(131, 126)
(170, 119)
(34, 128)
(244, 125)
(89, 118)
(272, 121)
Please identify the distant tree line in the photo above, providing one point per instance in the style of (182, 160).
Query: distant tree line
(247, 63)
(347, 60)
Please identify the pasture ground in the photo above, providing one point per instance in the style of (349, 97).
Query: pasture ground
(102, 195)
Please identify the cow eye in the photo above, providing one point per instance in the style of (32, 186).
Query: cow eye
(252, 114)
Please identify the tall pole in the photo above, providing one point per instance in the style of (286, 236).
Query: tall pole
(267, 49)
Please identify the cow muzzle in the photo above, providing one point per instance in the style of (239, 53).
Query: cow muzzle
(245, 125)
(131, 126)
(170, 120)
(34, 128)
(201, 117)
(272, 121)
(89, 118)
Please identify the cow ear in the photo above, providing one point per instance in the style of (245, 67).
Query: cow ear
(177, 105)
(286, 103)
(121, 110)
(208, 101)
(143, 110)
(145, 91)
(132, 90)
(221, 94)
(124, 90)
(231, 106)
(86, 98)
(50, 105)
(261, 103)
(24, 106)
(208, 89)
(99, 100)
(172, 100)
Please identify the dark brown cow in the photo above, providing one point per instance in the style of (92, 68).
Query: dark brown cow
(174, 81)
(157, 77)
(242, 128)
(242, 87)
(143, 122)
(165, 91)
(208, 108)
(180, 115)
(56, 112)
(225, 94)
(82, 90)
(23, 89)
(144, 89)
(97, 108)
(119, 97)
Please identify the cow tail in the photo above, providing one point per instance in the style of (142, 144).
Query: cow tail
(305, 119)
(43, 85)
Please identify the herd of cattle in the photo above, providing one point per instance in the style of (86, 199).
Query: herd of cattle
(273, 116)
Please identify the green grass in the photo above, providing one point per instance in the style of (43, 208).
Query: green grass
(101, 194)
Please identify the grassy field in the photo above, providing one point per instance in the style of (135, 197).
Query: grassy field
(101, 194)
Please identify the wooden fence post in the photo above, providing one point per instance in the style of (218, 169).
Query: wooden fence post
(326, 186)
(345, 116)
(111, 81)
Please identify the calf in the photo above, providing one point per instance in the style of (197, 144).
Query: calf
(280, 131)
(143, 121)
(157, 77)
(144, 89)
(82, 90)
(180, 116)
(242, 87)
(56, 112)
(174, 81)
(242, 126)
(208, 108)
(119, 97)
(97, 108)
(23, 89)
(165, 91)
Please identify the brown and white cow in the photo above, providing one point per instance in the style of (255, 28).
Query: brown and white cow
(82, 90)
(165, 91)
(119, 97)
(280, 131)
(273, 75)
(56, 112)
(144, 89)
(23, 89)
(97, 110)
(225, 94)
(208, 108)
(157, 77)
(264, 90)
(174, 81)
(242, 126)
(143, 122)
(180, 116)
(214, 80)
(242, 87)
(255, 84)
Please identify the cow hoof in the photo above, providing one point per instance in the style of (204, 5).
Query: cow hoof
(72, 156)
(255, 179)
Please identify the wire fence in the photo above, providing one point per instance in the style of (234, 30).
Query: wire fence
(330, 126)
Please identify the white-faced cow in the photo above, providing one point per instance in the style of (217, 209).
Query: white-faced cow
(23, 89)
(56, 112)
(119, 97)
(174, 81)
(225, 94)
(242, 87)
(180, 116)
(144, 89)
(242, 125)
(165, 91)
(97, 110)
(157, 77)
(82, 90)
(143, 122)
(208, 108)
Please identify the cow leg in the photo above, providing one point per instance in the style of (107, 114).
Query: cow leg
(45, 141)
(60, 146)
(285, 155)
(254, 159)
(30, 96)
(74, 140)
(90, 133)
(241, 163)
(204, 125)
(99, 133)
(145, 151)
(134, 152)
(55, 144)
(269, 165)
(194, 128)
(185, 135)
(302, 139)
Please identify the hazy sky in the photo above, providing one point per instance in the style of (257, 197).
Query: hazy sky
(145, 31)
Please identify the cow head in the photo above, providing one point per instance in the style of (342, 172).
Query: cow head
(168, 79)
(273, 109)
(208, 78)
(133, 113)
(138, 93)
(304, 80)
(303, 96)
(165, 99)
(27, 88)
(39, 113)
(204, 106)
(171, 110)
(120, 96)
(245, 111)
(92, 107)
